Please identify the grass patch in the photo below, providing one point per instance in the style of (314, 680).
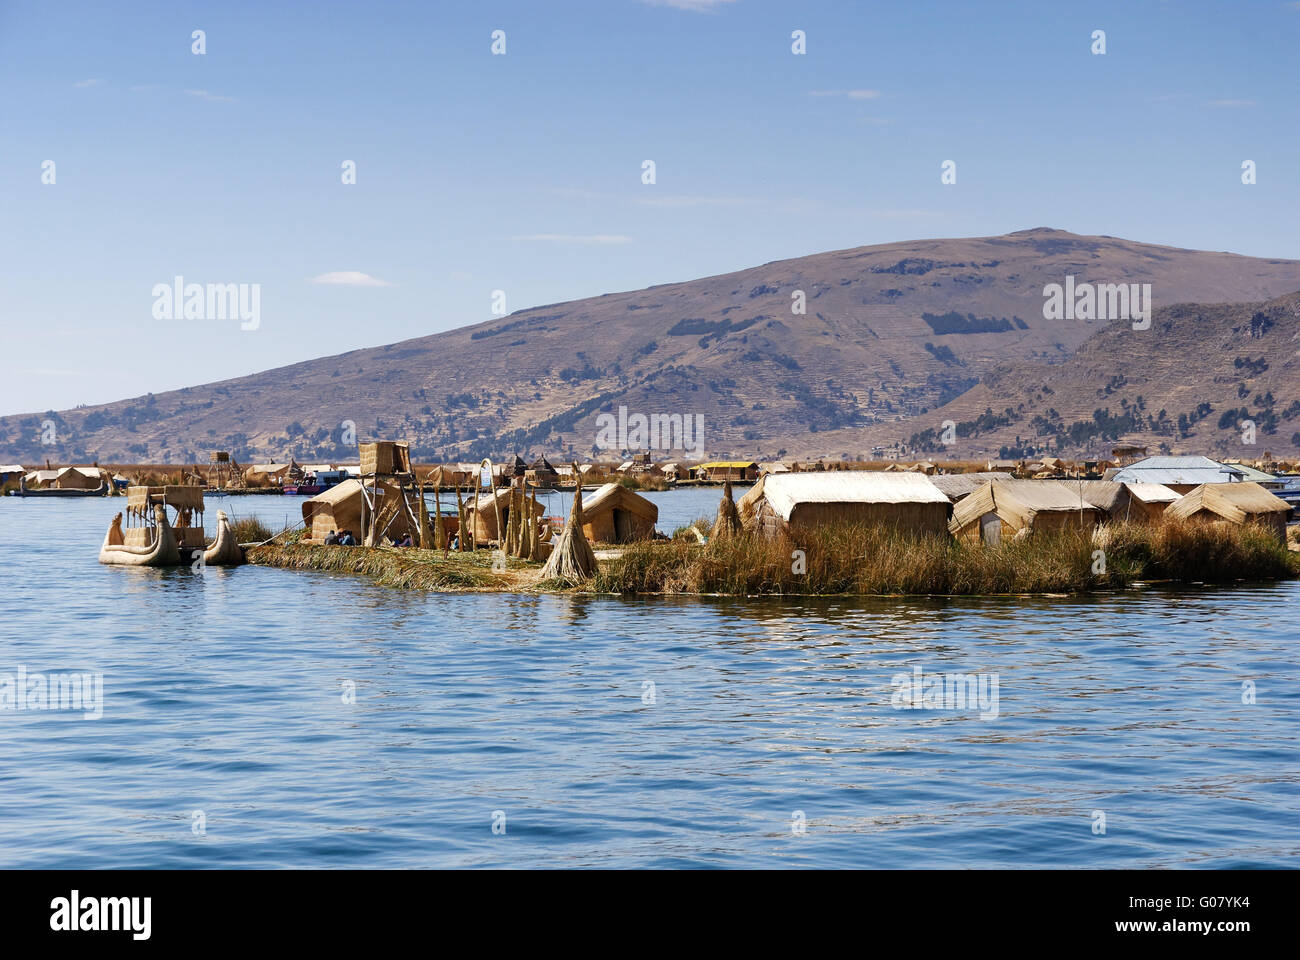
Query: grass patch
(251, 530)
(852, 559)
(408, 568)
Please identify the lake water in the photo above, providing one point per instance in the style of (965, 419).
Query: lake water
(769, 738)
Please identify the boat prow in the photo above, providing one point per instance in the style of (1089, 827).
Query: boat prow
(225, 550)
(163, 552)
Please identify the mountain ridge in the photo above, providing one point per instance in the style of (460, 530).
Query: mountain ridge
(893, 335)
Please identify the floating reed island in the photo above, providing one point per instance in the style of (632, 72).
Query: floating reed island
(832, 534)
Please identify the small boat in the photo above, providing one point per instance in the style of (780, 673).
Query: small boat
(303, 489)
(23, 491)
(152, 539)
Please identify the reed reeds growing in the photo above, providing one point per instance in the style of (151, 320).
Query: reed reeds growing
(391, 567)
(869, 560)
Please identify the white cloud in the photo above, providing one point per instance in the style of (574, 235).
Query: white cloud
(213, 97)
(696, 6)
(1232, 103)
(92, 82)
(851, 94)
(350, 278)
(601, 238)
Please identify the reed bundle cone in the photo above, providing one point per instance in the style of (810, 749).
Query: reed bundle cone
(728, 523)
(572, 557)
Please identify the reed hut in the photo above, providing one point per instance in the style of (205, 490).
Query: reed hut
(735, 470)
(344, 507)
(1016, 508)
(1130, 502)
(958, 486)
(541, 474)
(1241, 503)
(615, 514)
(77, 478)
(271, 474)
(385, 458)
(674, 471)
(483, 522)
(908, 502)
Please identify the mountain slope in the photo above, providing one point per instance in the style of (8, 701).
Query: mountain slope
(891, 332)
(1188, 384)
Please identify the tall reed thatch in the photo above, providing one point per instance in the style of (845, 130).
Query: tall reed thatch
(439, 526)
(528, 528)
(464, 542)
(572, 558)
(512, 523)
(426, 539)
(728, 523)
(496, 501)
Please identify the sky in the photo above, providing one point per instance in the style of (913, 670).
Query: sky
(522, 172)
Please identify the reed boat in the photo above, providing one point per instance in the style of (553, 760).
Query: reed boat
(151, 538)
(23, 491)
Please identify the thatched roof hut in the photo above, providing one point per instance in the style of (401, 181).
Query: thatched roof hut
(343, 507)
(957, 486)
(615, 514)
(906, 501)
(271, 472)
(542, 474)
(719, 470)
(1234, 503)
(1018, 507)
(77, 478)
(385, 457)
(1133, 502)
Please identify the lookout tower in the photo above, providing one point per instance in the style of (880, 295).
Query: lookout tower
(386, 477)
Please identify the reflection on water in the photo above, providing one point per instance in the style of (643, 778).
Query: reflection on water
(224, 691)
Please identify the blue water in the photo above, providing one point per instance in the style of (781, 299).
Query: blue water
(223, 694)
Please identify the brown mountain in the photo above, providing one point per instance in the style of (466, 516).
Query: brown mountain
(1197, 381)
(895, 339)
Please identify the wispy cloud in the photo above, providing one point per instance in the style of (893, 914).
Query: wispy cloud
(92, 82)
(350, 278)
(213, 97)
(1231, 103)
(851, 94)
(695, 6)
(600, 238)
(680, 200)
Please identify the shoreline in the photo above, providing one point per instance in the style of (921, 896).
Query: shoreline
(479, 572)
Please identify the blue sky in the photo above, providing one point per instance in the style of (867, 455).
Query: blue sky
(522, 172)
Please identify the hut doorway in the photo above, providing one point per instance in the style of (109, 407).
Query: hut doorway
(991, 529)
(623, 532)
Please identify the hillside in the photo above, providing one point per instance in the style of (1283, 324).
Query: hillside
(896, 338)
(1185, 385)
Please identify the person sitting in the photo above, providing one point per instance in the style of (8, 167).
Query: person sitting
(332, 540)
(405, 541)
(455, 541)
(347, 540)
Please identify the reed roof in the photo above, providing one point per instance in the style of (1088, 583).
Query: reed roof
(785, 491)
(615, 495)
(1232, 501)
